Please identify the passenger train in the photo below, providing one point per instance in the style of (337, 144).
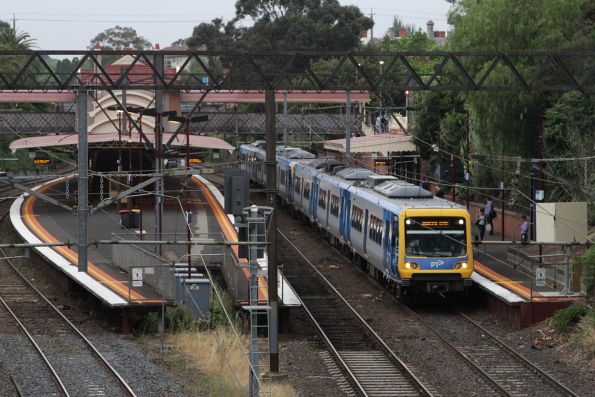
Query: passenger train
(400, 232)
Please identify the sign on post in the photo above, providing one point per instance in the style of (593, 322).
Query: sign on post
(540, 275)
(137, 276)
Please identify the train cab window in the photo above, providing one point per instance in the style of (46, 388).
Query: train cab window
(297, 185)
(307, 190)
(335, 205)
(322, 199)
(357, 217)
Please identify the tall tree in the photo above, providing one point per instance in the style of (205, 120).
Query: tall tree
(286, 25)
(119, 38)
(508, 25)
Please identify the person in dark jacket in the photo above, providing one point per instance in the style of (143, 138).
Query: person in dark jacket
(439, 192)
(490, 213)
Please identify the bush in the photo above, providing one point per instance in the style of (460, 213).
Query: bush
(178, 319)
(565, 318)
(585, 336)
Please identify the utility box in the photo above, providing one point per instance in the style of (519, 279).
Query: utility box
(556, 222)
(236, 191)
(197, 292)
(130, 219)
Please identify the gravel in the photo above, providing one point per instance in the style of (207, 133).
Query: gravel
(19, 360)
(574, 374)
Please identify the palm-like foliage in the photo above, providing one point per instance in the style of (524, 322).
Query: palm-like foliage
(11, 39)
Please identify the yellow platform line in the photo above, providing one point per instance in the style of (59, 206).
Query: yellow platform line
(230, 234)
(113, 284)
(515, 286)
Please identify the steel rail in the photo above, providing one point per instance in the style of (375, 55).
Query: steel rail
(522, 359)
(37, 348)
(123, 384)
(407, 372)
(450, 345)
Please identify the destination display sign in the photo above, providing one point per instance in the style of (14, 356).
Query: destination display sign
(41, 161)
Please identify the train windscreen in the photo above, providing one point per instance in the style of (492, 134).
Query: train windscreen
(435, 237)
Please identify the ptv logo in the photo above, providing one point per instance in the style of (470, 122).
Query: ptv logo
(436, 264)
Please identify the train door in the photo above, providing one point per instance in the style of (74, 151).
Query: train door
(365, 230)
(328, 204)
(345, 215)
(289, 176)
(314, 197)
(390, 242)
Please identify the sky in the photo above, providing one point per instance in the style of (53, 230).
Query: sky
(70, 24)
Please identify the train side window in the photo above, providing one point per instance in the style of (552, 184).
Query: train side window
(356, 218)
(298, 185)
(322, 199)
(375, 233)
(335, 205)
(282, 177)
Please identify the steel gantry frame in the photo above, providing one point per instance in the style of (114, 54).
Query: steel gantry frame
(292, 70)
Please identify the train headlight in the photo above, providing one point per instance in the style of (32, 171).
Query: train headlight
(411, 265)
(461, 221)
(461, 265)
(408, 222)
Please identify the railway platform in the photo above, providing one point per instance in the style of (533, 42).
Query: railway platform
(109, 275)
(512, 291)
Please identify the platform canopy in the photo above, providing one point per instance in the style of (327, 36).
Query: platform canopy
(112, 140)
(383, 143)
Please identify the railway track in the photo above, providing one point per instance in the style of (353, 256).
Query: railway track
(506, 370)
(64, 362)
(371, 366)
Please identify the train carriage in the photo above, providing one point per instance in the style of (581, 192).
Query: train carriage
(399, 230)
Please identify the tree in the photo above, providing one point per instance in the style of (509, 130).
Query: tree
(11, 39)
(286, 25)
(214, 35)
(568, 133)
(179, 42)
(120, 38)
(507, 25)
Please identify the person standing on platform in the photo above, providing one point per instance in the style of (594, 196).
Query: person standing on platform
(439, 192)
(490, 213)
(480, 221)
(524, 229)
(378, 125)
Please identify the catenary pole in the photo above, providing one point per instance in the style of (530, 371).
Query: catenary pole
(83, 176)
(271, 168)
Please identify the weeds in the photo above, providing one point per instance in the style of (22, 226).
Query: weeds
(565, 318)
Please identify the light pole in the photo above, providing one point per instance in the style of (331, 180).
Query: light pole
(187, 120)
(380, 63)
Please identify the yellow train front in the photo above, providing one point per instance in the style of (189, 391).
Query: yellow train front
(436, 253)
